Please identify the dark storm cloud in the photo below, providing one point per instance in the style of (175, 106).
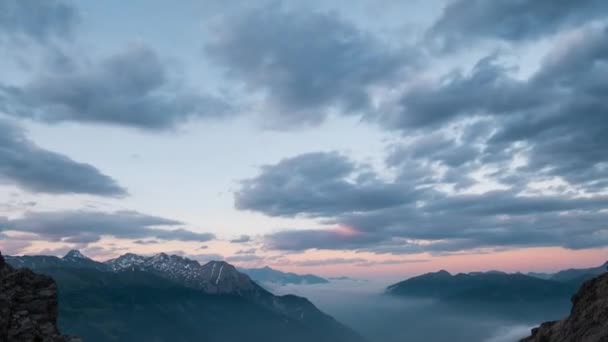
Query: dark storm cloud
(39, 20)
(131, 88)
(317, 184)
(304, 63)
(38, 170)
(82, 226)
(465, 21)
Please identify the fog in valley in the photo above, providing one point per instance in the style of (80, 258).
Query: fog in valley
(383, 318)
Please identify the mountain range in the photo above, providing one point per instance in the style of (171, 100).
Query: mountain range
(75, 259)
(272, 276)
(514, 297)
(573, 274)
(494, 286)
(172, 298)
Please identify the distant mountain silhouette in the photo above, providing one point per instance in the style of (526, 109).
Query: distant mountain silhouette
(482, 287)
(73, 259)
(578, 274)
(269, 275)
(171, 298)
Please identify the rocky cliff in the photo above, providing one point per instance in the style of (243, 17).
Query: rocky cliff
(28, 307)
(588, 320)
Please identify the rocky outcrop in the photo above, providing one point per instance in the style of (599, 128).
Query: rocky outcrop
(28, 306)
(588, 320)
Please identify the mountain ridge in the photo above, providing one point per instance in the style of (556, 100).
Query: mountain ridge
(482, 286)
(270, 275)
(214, 279)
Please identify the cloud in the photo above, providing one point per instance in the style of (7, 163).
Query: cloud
(58, 251)
(146, 242)
(38, 20)
(204, 258)
(317, 184)
(14, 203)
(508, 203)
(465, 21)
(554, 119)
(325, 262)
(241, 239)
(303, 63)
(565, 136)
(181, 234)
(297, 240)
(103, 253)
(483, 90)
(81, 226)
(13, 247)
(389, 262)
(424, 229)
(38, 170)
(131, 88)
(359, 262)
(247, 251)
(244, 258)
(425, 220)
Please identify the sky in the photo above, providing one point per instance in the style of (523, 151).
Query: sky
(368, 138)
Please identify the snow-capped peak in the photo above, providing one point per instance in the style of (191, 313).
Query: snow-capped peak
(212, 277)
(75, 254)
(126, 261)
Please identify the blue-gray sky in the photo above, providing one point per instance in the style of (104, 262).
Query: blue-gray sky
(396, 134)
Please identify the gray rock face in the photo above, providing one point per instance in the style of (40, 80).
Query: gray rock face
(588, 320)
(28, 307)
